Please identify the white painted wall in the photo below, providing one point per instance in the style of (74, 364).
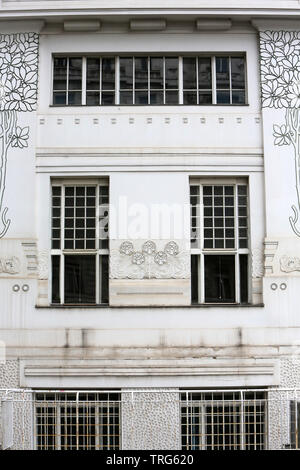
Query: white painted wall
(149, 163)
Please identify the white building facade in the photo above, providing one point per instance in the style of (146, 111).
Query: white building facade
(150, 231)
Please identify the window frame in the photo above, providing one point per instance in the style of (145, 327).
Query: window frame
(241, 401)
(202, 252)
(180, 57)
(50, 408)
(62, 252)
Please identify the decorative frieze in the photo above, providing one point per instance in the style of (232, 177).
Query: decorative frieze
(280, 78)
(148, 259)
(18, 93)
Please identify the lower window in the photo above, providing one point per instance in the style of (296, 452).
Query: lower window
(77, 421)
(223, 420)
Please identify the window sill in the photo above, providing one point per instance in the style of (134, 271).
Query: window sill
(147, 105)
(217, 305)
(220, 305)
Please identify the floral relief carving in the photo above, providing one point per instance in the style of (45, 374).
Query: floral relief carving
(149, 261)
(280, 73)
(289, 264)
(10, 265)
(18, 93)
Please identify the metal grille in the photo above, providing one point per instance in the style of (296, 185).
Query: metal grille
(224, 421)
(236, 419)
(77, 421)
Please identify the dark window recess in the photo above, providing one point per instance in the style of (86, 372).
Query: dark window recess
(195, 279)
(219, 278)
(80, 279)
(55, 279)
(244, 279)
(108, 81)
(294, 424)
(104, 279)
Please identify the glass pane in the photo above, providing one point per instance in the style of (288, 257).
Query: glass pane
(108, 98)
(74, 98)
(80, 278)
(141, 73)
(126, 73)
(126, 97)
(171, 72)
(204, 72)
(75, 73)
(189, 97)
(222, 72)
(171, 97)
(244, 278)
(59, 98)
(141, 97)
(108, 73)
(219, 278)
(93, 98)
(55, 279)
(195, 279)
(156, 73)
(92, 74)
(205, 98)
(238, 72)
(238, 97)
(189, 73)
(157, 97)
(60, 73)
(223, 97)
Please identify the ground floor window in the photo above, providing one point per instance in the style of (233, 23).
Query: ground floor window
(224, 420)
(77, 421)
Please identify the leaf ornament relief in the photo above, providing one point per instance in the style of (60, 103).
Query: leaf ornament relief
(18, 93)
(280, 75)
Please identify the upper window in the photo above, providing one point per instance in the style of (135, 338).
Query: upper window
(80, 243)
(219, 242)
(149, 80)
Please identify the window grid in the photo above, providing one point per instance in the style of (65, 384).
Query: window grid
(67, 80)
(197, 94)
(77, 421)
(80, 242)
(102, 85)
(224, 420)
(219, 241)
